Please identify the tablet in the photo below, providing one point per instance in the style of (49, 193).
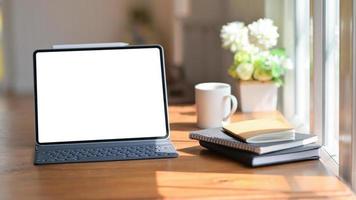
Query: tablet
(100, 94)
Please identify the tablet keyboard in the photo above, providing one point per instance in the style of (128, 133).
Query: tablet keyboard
(104, 153)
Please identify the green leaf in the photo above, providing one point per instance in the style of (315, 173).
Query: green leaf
(259, 63)
(241, 57)
(232, 72)
(278, 52)
(276, 70)
(278, 81)
(262, 75)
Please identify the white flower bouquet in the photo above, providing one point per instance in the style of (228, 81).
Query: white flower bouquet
(255, 57)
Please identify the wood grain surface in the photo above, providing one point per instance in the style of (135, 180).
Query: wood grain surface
(196, 174)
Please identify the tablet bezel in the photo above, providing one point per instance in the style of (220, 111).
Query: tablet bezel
(163, 75)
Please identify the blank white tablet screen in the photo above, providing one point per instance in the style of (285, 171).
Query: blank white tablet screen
(100, 95)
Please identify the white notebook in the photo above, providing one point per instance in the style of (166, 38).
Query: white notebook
(217, 136)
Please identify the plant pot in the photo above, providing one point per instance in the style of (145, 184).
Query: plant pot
(256, 96)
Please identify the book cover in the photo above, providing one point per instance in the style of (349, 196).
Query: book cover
(307, 152)
(261, 130)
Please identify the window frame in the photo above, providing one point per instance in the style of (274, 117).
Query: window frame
(302, 60)
(347, 132)
(296, 93)
(346, 168)
(306, 108)
(318, 111)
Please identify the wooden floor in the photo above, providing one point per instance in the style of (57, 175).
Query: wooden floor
(196, 174)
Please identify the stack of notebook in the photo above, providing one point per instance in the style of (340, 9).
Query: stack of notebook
(259, 142)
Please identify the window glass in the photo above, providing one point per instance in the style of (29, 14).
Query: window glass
(331, 127)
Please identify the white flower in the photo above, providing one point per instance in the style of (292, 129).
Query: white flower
(274, 59)
(269, 59)
(244, 71)
(261, 54)
(234, 36)
(263, 33)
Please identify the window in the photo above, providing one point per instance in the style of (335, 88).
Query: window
(311, 91)
(293, 21)
(331, 126)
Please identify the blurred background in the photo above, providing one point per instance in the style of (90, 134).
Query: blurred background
(187, 29)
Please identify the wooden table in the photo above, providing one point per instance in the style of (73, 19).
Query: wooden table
(196, 174)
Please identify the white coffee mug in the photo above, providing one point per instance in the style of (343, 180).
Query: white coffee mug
(213, 104)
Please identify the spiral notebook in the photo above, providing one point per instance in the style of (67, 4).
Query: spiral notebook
(217, 136)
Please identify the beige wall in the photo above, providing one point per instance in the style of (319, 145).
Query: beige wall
(34, 24)
(245, 10)
(204, 59)
(274, 9)
(163, 16)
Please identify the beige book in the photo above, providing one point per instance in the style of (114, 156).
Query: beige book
(261, 130)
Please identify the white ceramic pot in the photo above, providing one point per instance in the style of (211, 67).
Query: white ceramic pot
(256, 96)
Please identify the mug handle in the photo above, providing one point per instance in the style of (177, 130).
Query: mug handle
(234, 107)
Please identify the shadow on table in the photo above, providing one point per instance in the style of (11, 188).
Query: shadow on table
(189, 113)
(183, 126)
(221, 164)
